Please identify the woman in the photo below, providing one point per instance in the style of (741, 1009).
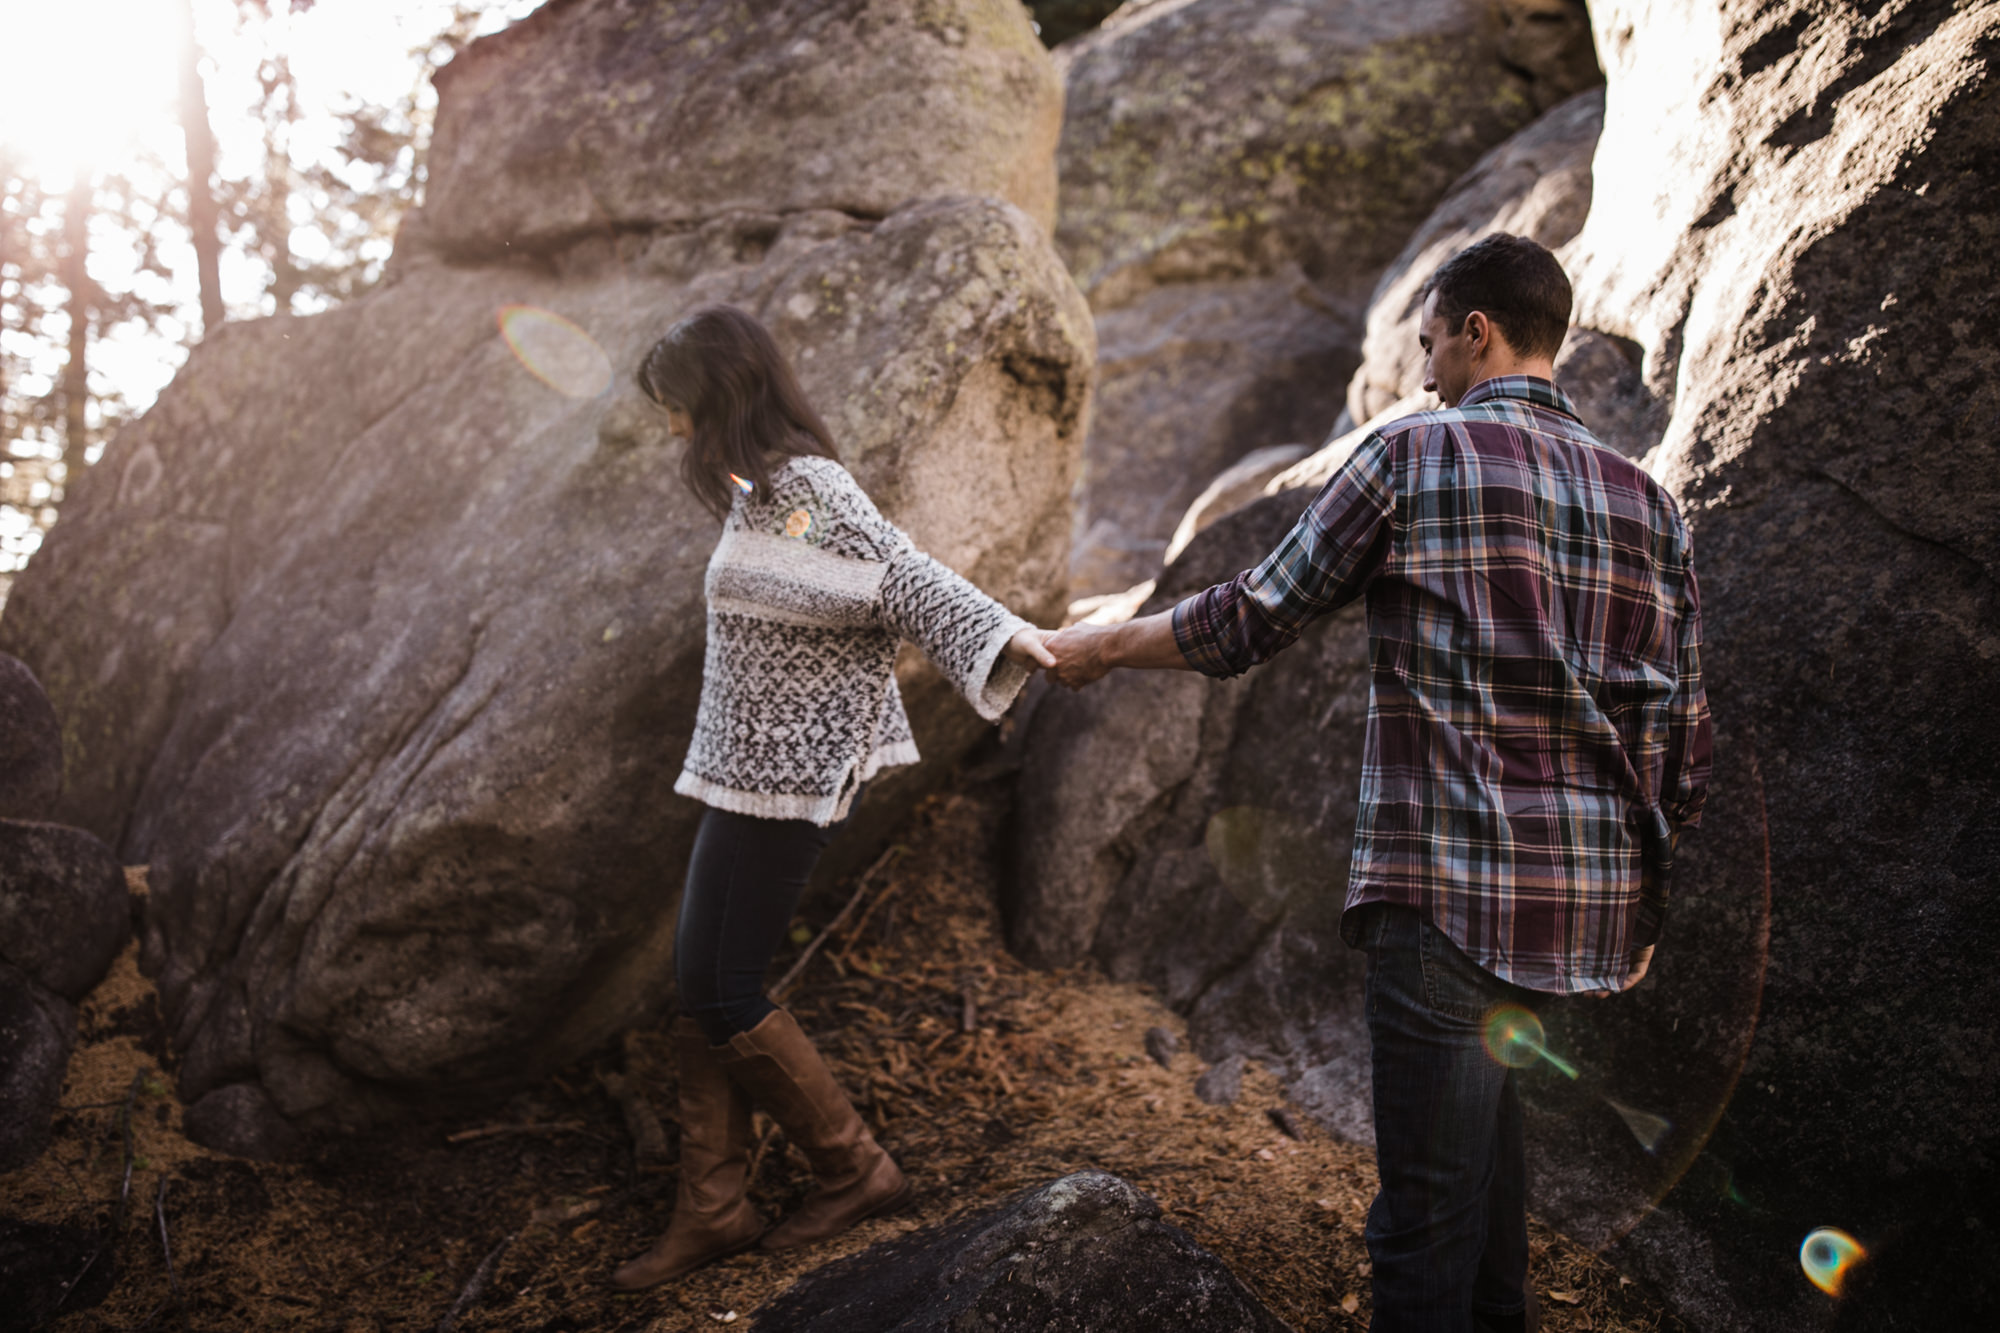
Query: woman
(809, 591)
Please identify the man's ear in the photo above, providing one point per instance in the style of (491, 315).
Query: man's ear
(1477, 327)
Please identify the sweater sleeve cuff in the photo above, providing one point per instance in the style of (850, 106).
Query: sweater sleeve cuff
(999, 680)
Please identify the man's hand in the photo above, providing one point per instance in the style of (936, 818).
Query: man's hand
(1029, 648)
(1641, 960)
(1084, 652)
(1081, 654)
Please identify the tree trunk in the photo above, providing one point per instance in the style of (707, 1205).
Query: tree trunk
(76, 280)
(203, 219)
(286, 275)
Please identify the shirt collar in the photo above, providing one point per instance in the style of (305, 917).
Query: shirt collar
(1526, 388)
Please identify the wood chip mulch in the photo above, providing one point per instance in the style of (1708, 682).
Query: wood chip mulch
(981, 1075)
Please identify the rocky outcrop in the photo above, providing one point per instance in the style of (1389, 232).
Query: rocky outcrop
(1779, 205)
(1235, 175)
(1798, 229)
(1235, 486)
(1084, 1254)
(63, 906)
(37, 1029)
(30, 745)
(1537, 184)
(592, 117)
(63, 918)
(395, 619)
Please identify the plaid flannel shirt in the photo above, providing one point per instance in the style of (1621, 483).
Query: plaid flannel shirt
(1537, 729)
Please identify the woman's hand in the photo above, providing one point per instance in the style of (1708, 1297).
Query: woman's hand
(1027, 649)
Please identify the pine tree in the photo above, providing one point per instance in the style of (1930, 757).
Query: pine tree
(30, 229)
(56, 412)
(203, 218)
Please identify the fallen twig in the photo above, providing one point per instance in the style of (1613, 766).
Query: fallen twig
(854, 933)
(792, 973)
(495, 1131)
(125, 1128)
(71, 1285)
(555, 1214)
(124, 1189)
(166, 1246)
(1287, 1124)
(475, 1287)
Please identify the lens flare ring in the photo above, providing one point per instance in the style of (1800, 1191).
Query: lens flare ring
(555, 351)
(1514, 1038)
(1829, 1255)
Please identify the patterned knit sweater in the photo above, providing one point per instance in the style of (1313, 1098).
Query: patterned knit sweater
(808, 592)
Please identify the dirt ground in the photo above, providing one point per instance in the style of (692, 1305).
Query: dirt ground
(981, 1076)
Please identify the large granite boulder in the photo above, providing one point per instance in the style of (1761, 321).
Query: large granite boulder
(1806, 260)
(1537, 184)
(37, 1029)
(63, 918)
(1783, 196)
(595, 116)
(380, 636)
(31, 754)
(1084, 1254)
(1235, 175)
(64, 908)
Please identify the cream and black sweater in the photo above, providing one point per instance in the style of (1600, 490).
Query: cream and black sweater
(808, 592)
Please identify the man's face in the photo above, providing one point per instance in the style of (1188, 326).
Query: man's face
(1448, 357)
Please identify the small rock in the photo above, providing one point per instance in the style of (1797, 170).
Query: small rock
(1162, 1045)
(1223, 1084)
(241, 1118)
(1087, 1252)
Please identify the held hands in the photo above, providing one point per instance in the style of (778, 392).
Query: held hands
(1080, 654)
(1028, 649)
(1074, 656)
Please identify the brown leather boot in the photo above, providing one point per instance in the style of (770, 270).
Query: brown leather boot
(776, 1063)
(712, 1213)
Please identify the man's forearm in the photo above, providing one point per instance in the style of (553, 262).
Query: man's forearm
(1147, 643)
(1085, 652)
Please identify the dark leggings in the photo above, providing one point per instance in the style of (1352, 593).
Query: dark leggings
(743, 884)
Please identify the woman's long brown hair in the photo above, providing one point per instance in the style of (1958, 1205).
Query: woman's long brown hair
(724, 369)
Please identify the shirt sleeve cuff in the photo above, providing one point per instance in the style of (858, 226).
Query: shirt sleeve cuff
(1196, 644)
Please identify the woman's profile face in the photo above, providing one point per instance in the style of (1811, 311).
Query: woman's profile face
(678, 421)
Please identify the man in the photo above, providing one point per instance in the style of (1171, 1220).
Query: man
(1537, 737)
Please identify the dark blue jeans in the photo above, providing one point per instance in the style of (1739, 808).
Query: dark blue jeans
(1448, 1232)
(744, 881)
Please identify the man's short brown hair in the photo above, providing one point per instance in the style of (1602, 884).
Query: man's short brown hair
(1514, 282)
